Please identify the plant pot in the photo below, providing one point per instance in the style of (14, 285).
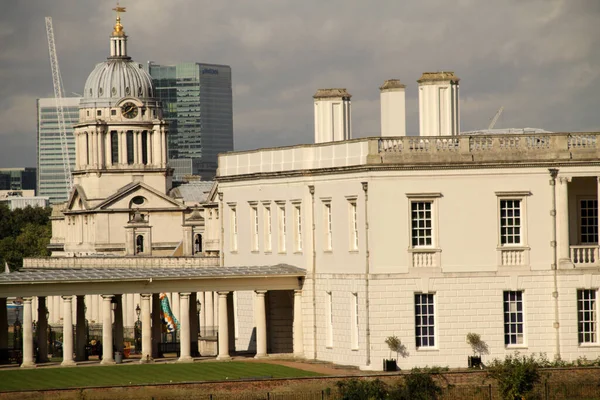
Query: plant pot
(474, 361)
(390, 365)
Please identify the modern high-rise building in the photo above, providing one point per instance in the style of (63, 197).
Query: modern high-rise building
(17, 178)
(51, 180)
(197, 102)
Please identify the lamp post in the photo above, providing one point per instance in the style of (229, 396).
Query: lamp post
(198, 310)
(137, 330)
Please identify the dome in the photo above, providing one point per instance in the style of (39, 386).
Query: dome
(118, 78)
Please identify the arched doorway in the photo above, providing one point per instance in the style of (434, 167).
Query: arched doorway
(139, 244)
(197, 243)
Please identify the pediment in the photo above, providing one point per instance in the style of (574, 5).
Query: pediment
(138, 195)
(77, 200)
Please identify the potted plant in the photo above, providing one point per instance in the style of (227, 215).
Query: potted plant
(479, 347)
(395, 345)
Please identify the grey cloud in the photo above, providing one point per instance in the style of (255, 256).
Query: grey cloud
(537, 58)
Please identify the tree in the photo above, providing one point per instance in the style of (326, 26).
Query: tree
(516, 375)
(23, 233)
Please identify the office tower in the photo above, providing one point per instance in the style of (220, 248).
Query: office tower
(51, 173)
(17, 178)
(197, 102)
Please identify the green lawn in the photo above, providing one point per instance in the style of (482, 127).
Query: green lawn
(50, 378)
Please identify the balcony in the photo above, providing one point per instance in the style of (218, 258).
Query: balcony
(585, 255)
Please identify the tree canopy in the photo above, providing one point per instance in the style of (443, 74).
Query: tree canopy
(24, 232)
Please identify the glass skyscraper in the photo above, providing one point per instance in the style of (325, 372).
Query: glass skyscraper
(197, 103)
(51, 176)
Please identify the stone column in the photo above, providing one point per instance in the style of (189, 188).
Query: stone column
(119, 324)
(107, 334)
(260, 317)
(209, 313)
(80, 330)
(146, 328)
(67, 331)
(27, 334)
(298, 327)
(564, 251)
(184, 334)
(3, 328)
(156, 324)
(175, 307)
(108, 148)
(56, 309)
(194, 325)
(202, 322)
(223, 328)
(42, 330)
(95, 308)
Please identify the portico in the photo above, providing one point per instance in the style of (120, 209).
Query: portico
(112, 283)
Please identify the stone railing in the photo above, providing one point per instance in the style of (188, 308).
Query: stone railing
(120, 262)
(489, 148)
(423, 258)
(512, 257)
(212, 245)
(585, 256)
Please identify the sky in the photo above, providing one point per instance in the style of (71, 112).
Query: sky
(539, 59)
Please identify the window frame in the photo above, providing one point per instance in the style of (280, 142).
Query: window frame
(522, 198)
(329, 321)
(298, 245)
(327, 225)
(594, 309)
(418, 315)
(281, 227)
(354, 325)
(254, 227)
(233, 226)
(432, 198)
(353, 230)
(268, 226)
(579, 221)
(507, 324)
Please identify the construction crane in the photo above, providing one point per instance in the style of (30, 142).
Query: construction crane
(60, 112)
(495, 119)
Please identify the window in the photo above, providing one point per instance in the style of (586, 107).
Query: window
(510, 222)
(328, 226)
(254, 226)
(114, 147)
(421, 223)
(297, 227)
(354, 322)
(99, 113)
(282, 228)
(268, 229)
(588, 221)
(424, 320)
(145, 147)
(234, 229)
(113, 112)
(513, 318)
(139, 244)
(198, 244)
(353, 218)
(587, 320)
(329, 320)
(129, 137)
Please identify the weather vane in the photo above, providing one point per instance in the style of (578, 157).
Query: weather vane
(118, 27)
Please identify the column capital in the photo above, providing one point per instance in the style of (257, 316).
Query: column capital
(223, 294)
(565, 179)
(67, 298)
(146, 295)
(184, 294)
(107, 296)
(27, 300)
(297, 292)
(260, 292)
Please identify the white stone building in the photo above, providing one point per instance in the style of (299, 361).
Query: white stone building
(322, 251)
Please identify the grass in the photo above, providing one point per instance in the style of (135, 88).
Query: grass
(123, 375)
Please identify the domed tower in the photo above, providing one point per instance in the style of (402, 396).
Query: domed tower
(121, 136)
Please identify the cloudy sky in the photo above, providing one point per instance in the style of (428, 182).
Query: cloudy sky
(540, 59)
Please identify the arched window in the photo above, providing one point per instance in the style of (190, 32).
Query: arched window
(114, 147)
(198, 243)
(139, 244)
(87, 149)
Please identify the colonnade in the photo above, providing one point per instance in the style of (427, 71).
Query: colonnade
(112, 309)
(94, 147)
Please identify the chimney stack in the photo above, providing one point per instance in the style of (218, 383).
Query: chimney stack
(332, 115)
(393, 113)
(438, 104)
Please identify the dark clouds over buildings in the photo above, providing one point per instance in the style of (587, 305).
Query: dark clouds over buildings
(540, 59)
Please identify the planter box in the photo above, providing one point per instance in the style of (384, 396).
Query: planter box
(475, 362)
(390, 365)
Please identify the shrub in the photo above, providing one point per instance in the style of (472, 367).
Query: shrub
(355, 389)
(516, 375)
(418, 385)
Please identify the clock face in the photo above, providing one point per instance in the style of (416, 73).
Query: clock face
(129, 110)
